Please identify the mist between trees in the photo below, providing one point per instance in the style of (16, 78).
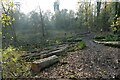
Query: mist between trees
(38, 27)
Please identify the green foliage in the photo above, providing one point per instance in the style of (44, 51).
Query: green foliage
(8, 7)
(77, 46)
(116, 25)
(80, 45)
(12, 65)
(112, 38)
(109, 37)
(6, 20)
(8, 31)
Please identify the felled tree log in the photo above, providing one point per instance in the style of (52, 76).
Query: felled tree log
(39, 65)
(33, 56)
(43, 54)
(109, 42)
(74, 40)
(57, 52)
(50, 49)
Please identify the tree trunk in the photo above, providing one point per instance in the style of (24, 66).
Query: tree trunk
(43, 27)
(98, 8)
(42, 23)
(13, 33)
(104, 17)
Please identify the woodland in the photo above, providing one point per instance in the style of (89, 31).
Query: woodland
(61, 45)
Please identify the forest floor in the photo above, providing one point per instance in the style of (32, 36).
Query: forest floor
(95, 61)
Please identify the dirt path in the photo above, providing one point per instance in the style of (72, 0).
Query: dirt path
(94, 61)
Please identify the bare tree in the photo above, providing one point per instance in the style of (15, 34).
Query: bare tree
(43, 26)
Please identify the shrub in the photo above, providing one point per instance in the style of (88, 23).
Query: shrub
(80, 45)
(12, 65)
(109, 37)
(112, 37)
(116, 26)
(77, 46)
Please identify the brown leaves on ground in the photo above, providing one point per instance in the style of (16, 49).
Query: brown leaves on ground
(96, 61)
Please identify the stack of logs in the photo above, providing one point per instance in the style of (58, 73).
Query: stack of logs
(46, 58)
(39, 61)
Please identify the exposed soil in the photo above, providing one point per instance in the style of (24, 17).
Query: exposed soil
(96, 61)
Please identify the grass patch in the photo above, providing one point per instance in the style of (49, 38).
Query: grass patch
(109, 37)
(80, 45)
(77, 46)
(112, 37)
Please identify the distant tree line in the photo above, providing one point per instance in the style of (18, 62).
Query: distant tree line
(38, 26)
